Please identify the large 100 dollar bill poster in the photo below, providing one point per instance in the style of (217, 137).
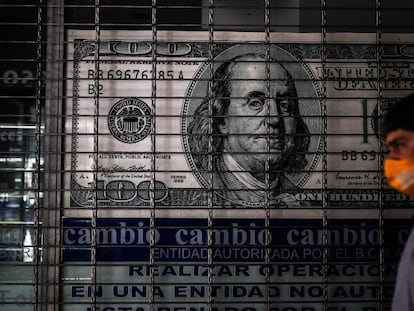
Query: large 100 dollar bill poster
(229, 174)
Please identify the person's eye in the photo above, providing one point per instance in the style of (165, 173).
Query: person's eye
(285, 105)
(402, 146)
(256, 104)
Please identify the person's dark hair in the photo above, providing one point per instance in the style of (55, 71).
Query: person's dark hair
(399, 115)
(198, 128)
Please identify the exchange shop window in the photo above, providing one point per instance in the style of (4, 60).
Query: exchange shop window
(199, 155)
(172, 196)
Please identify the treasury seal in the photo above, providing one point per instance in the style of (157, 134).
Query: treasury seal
(130, 120)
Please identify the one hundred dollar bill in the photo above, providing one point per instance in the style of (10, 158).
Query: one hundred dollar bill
(238, 122)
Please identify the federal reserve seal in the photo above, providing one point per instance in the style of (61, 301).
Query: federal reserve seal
(130, 120)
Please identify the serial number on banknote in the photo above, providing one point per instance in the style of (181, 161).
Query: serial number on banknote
(134, 74)
(353, 155)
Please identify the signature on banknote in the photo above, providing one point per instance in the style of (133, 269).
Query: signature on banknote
(117, 170)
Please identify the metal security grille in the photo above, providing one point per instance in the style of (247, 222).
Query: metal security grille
(200, 155)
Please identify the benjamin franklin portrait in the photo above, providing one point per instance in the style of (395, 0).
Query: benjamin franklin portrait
(247, 137)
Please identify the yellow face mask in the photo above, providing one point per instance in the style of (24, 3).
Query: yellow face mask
(400, 174)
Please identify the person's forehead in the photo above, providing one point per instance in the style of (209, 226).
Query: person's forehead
(256, 70)
(399, 134)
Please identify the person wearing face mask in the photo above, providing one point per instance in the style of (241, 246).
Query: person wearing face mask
(398, 130)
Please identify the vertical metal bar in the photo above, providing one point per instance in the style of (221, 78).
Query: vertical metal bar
(94, 215)
(325, 207)
(267, 164)
(380, 166)
(38, 136)
(210, 241)
(153, 150)
(50, 269)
